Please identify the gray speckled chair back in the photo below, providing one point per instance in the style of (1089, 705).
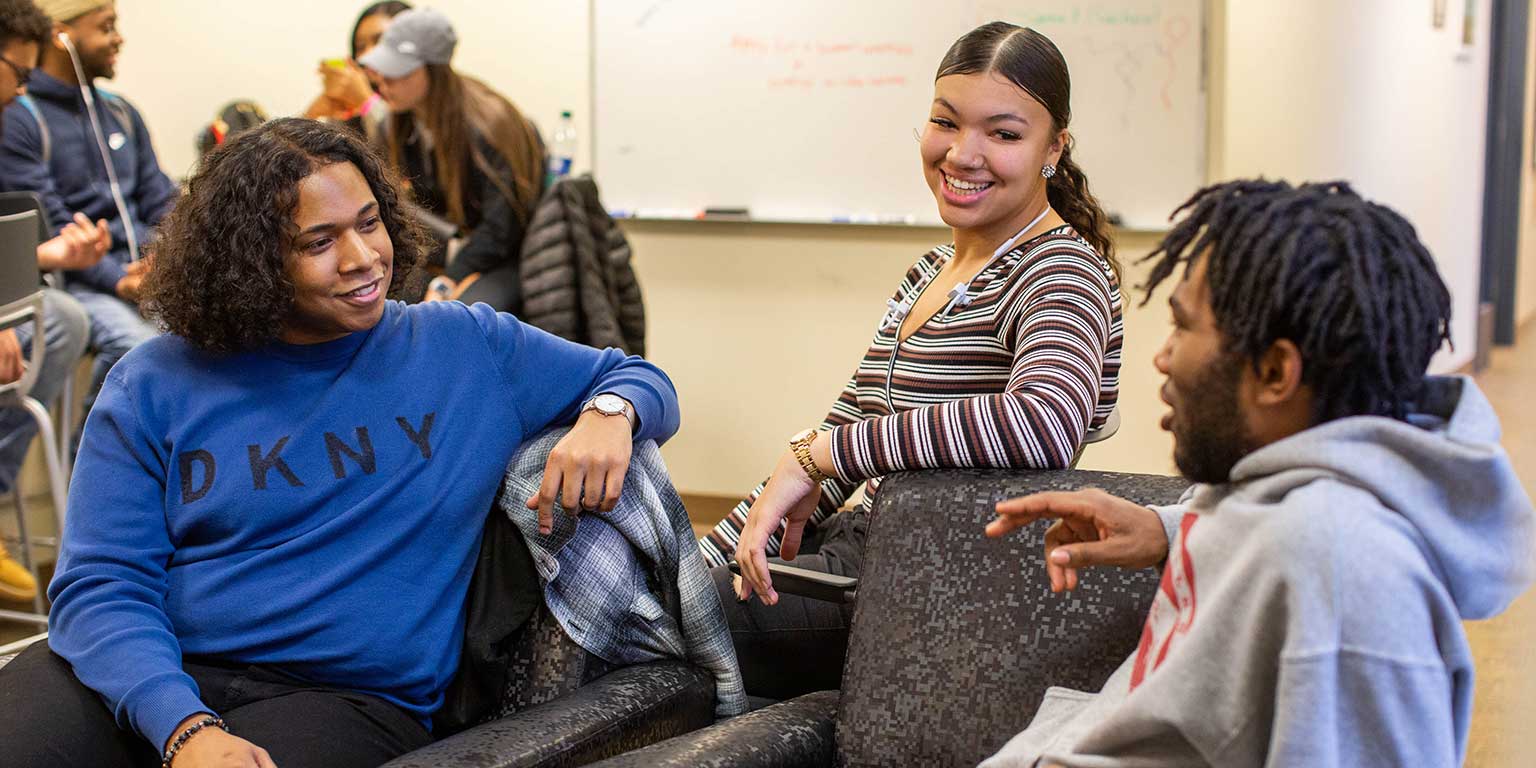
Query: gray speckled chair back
(545, 664)
(957, 636)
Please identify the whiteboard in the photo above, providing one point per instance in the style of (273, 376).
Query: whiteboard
(806, 110)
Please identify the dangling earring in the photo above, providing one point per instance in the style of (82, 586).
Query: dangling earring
(1048, 171)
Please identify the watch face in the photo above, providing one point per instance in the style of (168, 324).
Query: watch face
(609, 404)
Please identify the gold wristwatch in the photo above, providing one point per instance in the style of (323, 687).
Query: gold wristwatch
(801, 445)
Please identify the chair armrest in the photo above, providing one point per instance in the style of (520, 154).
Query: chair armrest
(807, 583)
(626, 709)
(797, 732)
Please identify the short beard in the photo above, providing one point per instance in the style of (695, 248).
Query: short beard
(1209, 434)
(95, 70)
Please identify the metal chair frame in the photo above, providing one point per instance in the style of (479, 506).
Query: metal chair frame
(20, 309)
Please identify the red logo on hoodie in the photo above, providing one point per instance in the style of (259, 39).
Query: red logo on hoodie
(1173, 610)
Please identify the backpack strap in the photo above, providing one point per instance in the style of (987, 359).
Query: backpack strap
(42, 127)
(119, 108)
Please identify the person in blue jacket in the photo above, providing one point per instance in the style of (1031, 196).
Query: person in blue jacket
(278, 504)
(53, 145)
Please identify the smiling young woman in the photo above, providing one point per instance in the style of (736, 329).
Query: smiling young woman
(1000, 349)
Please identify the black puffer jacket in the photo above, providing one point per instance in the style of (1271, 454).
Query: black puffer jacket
(576, 277)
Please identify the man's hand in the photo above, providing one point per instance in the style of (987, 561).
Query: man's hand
(1091, 528)
(789, 497)
(130, 284)
(10, 356)
(214, 748)
(78, 246)
(586, 468)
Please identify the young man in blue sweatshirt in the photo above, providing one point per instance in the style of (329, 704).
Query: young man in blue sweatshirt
(1349, 512)
(50, 146)
(278, 505)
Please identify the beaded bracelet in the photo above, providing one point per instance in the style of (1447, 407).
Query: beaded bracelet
(187, 733)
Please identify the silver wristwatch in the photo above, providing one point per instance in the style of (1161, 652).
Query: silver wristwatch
(609, 404)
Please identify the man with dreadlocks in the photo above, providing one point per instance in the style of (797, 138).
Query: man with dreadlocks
(1349, 511)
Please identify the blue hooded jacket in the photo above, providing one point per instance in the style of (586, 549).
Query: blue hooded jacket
(66, 169)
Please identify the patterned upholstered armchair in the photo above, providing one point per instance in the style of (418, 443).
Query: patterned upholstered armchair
(557, 705)
(561, 706)
(955, 637)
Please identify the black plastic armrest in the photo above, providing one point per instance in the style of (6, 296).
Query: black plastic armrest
(624, 710)
(806, 583)
(790, 734)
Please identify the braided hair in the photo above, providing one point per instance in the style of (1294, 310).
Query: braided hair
(1345, 279)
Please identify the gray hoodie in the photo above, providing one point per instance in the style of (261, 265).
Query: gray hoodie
(1310, 609)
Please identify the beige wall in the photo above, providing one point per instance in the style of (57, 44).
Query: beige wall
(759, 325)
(1369, 91)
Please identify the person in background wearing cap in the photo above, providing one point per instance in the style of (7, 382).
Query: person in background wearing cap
(23, 30)
(347, 96)
(51, 147)
(466, 154)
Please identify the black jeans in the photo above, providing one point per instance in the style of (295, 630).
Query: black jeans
(799, 645)
(48, 718)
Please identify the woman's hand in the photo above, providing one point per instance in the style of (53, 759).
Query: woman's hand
(789, 497)
(215, 748)
(444, 288)
(587, 467)
(323, 108)
(345, 86)
(441, 288)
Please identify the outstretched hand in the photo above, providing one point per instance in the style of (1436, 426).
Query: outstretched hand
(1091, 528)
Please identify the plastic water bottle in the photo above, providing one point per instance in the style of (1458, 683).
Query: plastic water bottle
(562, 151)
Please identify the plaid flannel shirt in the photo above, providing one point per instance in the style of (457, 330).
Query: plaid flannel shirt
(629, 586)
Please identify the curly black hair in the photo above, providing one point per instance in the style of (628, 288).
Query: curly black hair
(1345, 279)
(218, 279)
(21, 20)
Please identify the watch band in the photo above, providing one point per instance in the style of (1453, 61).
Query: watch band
(800, 444)
(625, 407)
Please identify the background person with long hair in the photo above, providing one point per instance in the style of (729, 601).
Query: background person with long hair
(1002, 349)
(278, 505)
(346, 94)
(467, 155)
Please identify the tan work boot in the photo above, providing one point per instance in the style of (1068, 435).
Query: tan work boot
(15, 582)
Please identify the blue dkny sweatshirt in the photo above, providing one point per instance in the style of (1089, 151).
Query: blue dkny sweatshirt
(312, 508)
